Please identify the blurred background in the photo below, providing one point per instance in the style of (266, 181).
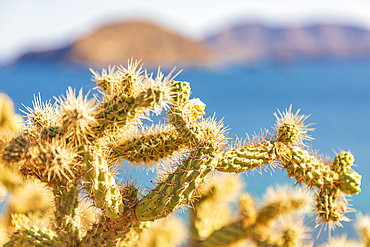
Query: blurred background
(244, 59)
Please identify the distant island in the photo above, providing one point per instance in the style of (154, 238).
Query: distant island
(243, 43)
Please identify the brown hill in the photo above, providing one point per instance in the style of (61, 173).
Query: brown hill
(115, 44)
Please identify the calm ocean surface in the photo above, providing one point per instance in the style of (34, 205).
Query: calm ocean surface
(336, 94)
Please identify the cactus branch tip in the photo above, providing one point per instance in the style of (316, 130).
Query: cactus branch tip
(291, 127)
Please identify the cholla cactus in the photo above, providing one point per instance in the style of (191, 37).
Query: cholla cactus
(73, 146)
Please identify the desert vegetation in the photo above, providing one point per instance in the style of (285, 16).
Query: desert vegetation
(61, 183)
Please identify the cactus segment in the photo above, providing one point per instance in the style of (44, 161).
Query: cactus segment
(48, 161)
(329, 180)
(278, 208)
(188, 131)
(111, 232)
(108, 232)
(247, 210)
(343, 162)
(149, 146)
(190, 111)
(306, 168)
(130, 200)
(99, 235)
(288, 133)
(14, 151)
(18, 221)
(101, 186)
(350, 182)
(106, 81)
(206, 217)
(178, 187)
(181, 90)
(328, 204)
(210, 211)
(227, 235)
(290, 128)
(66, 201)
(245, 158)
(129, 196)
(264, 237)
(119, 109)
(76, 117)
(183, 115)
(49, 133)
(30, 237)
(235, 232)
(125, 80)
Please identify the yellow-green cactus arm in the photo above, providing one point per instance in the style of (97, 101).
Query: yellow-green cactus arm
(107, 232)
(149, 145)
(66, 203)
(178, 188)
(117, 110)
(14, 151)
(28, 237)
(227, 235)
(246, 157)
(100, 184)
(184, 114)
(210, 210)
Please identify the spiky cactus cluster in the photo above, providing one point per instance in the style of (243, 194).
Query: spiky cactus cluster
(73, 147)
(264, 226)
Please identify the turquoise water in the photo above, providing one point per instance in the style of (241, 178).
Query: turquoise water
(336, 94)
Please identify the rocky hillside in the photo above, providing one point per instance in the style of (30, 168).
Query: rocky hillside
(252, 42)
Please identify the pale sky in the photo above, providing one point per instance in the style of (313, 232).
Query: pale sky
(42, 24)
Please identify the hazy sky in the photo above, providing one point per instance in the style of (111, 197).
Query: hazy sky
(41, 24)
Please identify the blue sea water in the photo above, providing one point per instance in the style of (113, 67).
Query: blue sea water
(336, 94)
